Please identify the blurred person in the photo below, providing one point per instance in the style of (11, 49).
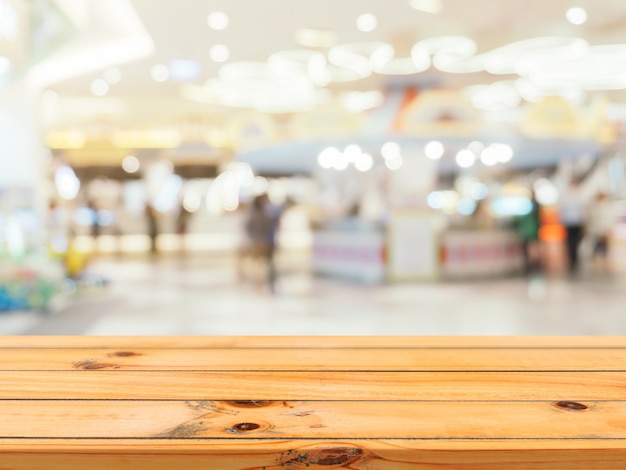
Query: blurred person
(482, 218)
(152, 219)
(599, 224)
(182, 224)
(261, 225)
(527, 227)
(572, 215)
(95, 219)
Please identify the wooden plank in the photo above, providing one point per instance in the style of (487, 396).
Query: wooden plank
(308, 359)
(186, 385)
(311, 454)
(338, 420)
(397, 342)
(304, 403)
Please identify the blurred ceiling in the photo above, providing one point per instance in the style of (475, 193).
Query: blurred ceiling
(257, 29)
(134, 61)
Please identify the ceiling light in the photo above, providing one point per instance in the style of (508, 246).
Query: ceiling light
(452, 54)
(340, 161)
(218, 20)
(434, 150)
(354, 57)
(576, 15)
(394, 163)
(112, 75)
(99, 87)
(534, 93)
(366, 23)
(327, 156)
(357, 101)
(465, 158)
(219, 53)
(507, 59)
(316, 37)
(476, 146)
(495, 97)
(352, 152)
(299, 63)
(66, 182)
(427, 6)
(504, 152)
(600, 69)
(390, 150)
(246, 70)
(184, 70)
(383, 61)
(364, 162)
(253, 85)
(160, 73)
(496, 153)
(130, 164)
(489, 156)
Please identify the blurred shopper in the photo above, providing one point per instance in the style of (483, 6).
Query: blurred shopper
(152, 220)
(260, 227)
(572, 214)
(182, 225)
(599, 224)
(528, 226)
(95, 220)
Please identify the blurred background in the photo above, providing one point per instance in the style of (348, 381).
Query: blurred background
(449, 167)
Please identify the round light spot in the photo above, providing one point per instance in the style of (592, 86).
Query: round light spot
(130, 164)
(576, 15)
(390, 150)
(218, 20)
(394, 163)
(160, 73)
(364, 162)
(326, 157)
(99, 87)
(112, 75)
(465, 158)
(434, 150)
(366, 22)
(219, 53)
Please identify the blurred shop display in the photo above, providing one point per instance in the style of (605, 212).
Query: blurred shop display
(29, 276)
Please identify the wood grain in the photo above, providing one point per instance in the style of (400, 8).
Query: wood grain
(101, 419)
(312, 359)
(260, 403)
(313, 455)
(290, 342)
(280, 386)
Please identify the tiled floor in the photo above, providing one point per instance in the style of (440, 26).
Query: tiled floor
(200, 295)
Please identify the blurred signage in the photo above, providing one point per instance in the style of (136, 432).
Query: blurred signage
(440, 113)
(552, 117)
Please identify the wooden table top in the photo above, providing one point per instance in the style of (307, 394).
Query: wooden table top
(365, 403)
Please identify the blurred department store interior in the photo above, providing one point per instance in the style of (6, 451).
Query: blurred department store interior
(405, 143)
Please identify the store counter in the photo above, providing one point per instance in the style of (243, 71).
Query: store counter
(354, 254)
(463, 254)
(480, 253)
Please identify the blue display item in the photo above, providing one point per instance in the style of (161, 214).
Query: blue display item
(30, 294)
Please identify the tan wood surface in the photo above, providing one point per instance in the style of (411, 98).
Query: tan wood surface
(315, 359)
(289, 342)
(312, 403)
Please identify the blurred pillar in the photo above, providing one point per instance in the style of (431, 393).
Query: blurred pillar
(22, 154)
